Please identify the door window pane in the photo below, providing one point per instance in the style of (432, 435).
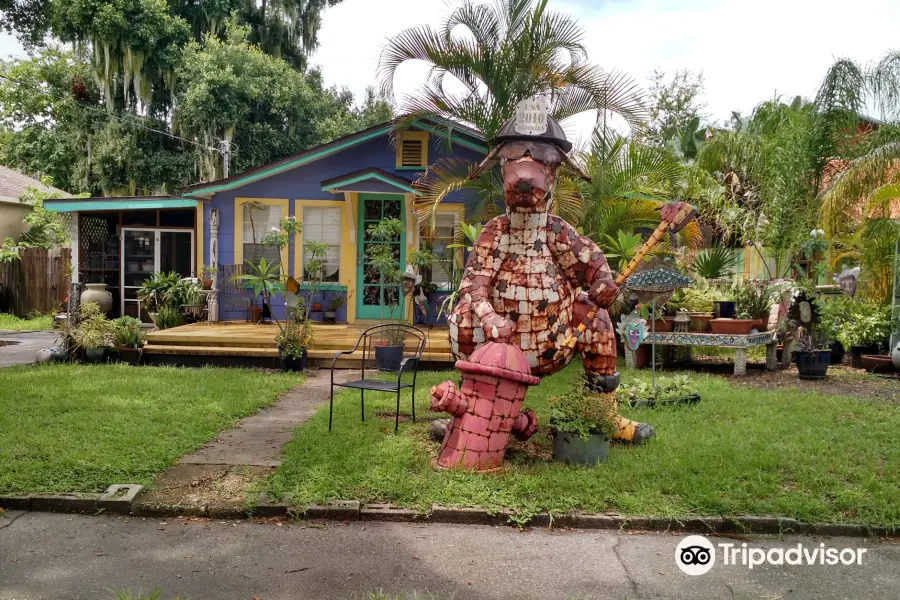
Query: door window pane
(176, 252)
(443, 236)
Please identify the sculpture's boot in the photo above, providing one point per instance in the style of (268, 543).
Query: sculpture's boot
(627, 431)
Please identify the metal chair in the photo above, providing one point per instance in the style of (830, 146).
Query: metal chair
(401, 348)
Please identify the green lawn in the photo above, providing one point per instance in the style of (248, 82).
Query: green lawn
(741, 450)
(13, 323)
(79, 428)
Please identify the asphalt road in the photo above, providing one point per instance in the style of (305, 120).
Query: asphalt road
(59, 556)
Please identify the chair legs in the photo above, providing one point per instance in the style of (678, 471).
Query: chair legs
(331, 407)
(397, 414)
(413, 391)
(362, 404)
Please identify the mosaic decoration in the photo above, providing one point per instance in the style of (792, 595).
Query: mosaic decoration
(530, 281)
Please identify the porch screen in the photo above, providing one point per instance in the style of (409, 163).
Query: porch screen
(257, 220)
(443, 235)
(323, 224)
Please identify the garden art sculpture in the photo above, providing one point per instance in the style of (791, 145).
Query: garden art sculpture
(534, 294)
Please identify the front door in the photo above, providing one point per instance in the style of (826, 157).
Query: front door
(376, 299)
(147, 251)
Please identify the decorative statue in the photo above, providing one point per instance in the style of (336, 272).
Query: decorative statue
(532, 281)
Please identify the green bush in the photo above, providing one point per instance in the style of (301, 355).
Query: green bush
(583, 412)
(855, 322)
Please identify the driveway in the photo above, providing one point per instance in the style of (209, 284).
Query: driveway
(19, 347)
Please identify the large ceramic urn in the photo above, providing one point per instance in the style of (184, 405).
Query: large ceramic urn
(97, 292)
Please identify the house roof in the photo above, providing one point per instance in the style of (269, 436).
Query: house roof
(13, 184)
(118, 203)
(475, 142)
(372, 179)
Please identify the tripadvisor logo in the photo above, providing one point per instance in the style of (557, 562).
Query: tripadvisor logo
(696, 555)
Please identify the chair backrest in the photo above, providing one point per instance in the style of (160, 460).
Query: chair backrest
(385, 346)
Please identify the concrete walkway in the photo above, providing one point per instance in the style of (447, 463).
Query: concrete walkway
(19, 347)
(58, 556)
(227, 466)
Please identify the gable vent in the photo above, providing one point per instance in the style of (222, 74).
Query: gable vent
(411, 153)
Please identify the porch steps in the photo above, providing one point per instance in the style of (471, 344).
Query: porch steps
(254, 345)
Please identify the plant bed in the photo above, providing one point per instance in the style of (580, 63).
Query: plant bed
(731, 326)
(572, 448)
(877, 363)
(812, 364)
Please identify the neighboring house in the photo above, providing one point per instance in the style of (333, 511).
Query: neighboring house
(335, 190)
(12, 187)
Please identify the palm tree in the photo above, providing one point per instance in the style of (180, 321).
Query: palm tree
(629, 182)
(511, 50)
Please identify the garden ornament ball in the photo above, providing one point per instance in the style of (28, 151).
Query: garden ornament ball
(532, 280)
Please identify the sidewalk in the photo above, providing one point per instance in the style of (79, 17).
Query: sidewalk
(59, 556)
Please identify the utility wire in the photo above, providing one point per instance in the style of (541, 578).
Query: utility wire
(120, 119)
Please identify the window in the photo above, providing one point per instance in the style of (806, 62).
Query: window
(412, 150)
(444, 234)
(257, 220)
(323, 224)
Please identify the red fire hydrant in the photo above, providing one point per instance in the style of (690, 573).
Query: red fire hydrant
(487, 408)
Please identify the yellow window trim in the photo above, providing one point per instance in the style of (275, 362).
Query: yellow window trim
(421, 136)
(460, 210)
(239, 223)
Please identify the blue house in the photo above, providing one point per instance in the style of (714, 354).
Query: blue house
(335, 191)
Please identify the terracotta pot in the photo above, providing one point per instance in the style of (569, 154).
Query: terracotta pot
(759, 324)
(254, 314)
(700, 322)
(856, 354)
(316, 308)
(663, 324)
(731, 326)
(97, 292)
(877, 363)
(207, 284)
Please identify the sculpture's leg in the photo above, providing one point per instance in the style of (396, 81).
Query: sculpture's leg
(597, 348)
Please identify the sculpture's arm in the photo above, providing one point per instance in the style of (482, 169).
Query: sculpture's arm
(481, 271)
(582, 262)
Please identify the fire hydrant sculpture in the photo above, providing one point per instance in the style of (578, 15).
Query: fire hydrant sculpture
(487, 409)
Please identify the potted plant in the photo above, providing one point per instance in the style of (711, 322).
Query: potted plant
(129, 339)
(264, 279)
(92, 332)
(864, 328)
(388, 349)
(742, 325)
(293, 343)
(187, 294)
(813, 354)
(675, 390)
(168, 316)
(157, 290)
(582, 424)
(207, 277)
(698, 300)
(660, 322)
(752, 298)
(336, 301)
(316, 254)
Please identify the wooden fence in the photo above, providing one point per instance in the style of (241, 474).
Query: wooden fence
(37, 282)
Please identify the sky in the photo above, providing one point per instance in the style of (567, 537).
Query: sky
(747, 50)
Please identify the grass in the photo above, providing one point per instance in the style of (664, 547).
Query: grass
(741, 450)
(33, 323)
(80, 428)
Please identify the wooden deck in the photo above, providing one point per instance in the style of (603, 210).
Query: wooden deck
(250, 344)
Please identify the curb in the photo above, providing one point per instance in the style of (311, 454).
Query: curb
(123, 499)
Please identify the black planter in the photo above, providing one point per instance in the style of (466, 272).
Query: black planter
(132, 356)
(856, 353)
(294, 365)
(570, 448)
(723, 309)
(95, 355)
(388, 357)
(330, 316)
(837, 353)
(812, 364)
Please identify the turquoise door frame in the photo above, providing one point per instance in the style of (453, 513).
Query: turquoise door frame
(371, 292)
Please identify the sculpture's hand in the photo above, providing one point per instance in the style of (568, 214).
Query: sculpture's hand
(496, 328)
(678, 215)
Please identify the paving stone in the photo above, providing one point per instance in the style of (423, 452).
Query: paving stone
(166, 509)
